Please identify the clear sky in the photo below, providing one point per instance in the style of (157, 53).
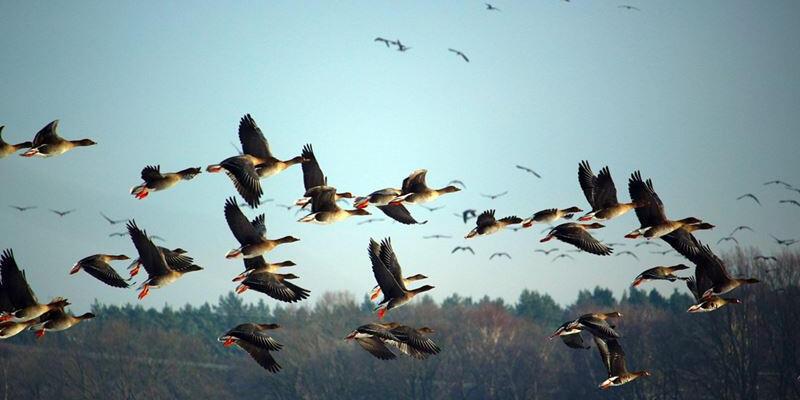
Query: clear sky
(701, 96)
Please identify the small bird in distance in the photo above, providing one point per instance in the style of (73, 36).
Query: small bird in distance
(459, 53)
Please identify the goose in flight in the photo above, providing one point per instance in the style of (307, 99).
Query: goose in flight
(560, 256)
(415, 190)
(778, 182)
(98, 266)
(251, 235)
(160, 272)
(62, 213)
(578, 235)
(487, 224)
(112, 221)
(660, 273)
(313, 178)
(712, 277)
(601, 194)
(614, 360)
(630, 8)
(501, 254)
(741, 228)
(245, 170)
(550, 215)
(463, 248)
(749, 196)
(47, 143)
(255, 340)
(546, 252)
(155, 181)
(784, 242)
(490, 7)
(494, 196)
(23, 208)
(460, 54)
(375, 337)
(324, 209)
(389, 276)
(530, 171)
(263, 277)
(728, 239)
(651, 214)
(627, 253)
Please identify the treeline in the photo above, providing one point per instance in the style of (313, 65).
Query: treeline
(491, 349)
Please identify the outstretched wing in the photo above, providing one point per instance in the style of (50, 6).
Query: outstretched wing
(312, 173)
(253, 141)
(14, 283)
(400, 214)
(46, 135)
(242, 229)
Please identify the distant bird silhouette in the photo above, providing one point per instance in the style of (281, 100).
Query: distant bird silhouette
(663, 253)
(578, 235)
(463, 248)
(546, 252)
(490, 7)
(778, 182)
(749, 195)
(795, 202)
(120, 234)
(503, 254)
(562, 256)
(627, 253)
(369, 221)
(431, 209)
(784, 242)
(728, 239)
(765, 258)
(437, 237)
(287, 207)
(385, 41)
(62, 213)
(494, 196)
(647, 243)
(112, 221)
(460, 54)
(615, 244)
(741, 228)
(469, 214)
(457, 182)
(156, 237)
(526, 169)
(627, 7)
(23, 208)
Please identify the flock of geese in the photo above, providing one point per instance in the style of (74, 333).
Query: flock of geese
(711, 283)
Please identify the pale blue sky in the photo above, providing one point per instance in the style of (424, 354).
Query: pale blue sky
(702, 96)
